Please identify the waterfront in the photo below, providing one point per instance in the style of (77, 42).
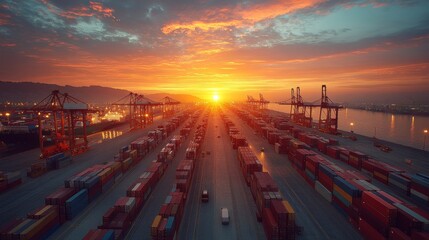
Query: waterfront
(398, 128)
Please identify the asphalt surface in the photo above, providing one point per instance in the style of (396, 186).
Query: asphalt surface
(93, 214)
(317, 217)
(218, 172)
(397, 157)
(17, 202)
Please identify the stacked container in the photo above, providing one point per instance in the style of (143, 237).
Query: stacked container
(377, 216)
(419, 188)
(9, 180)
(249, 163)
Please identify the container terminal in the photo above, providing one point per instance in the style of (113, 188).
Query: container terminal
(212, 171)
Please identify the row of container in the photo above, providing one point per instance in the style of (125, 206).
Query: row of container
(71, 199)
(377, 214)
(276, 214)
(166, 224)
(9, 180)
(56, 161)
(118, 219)
(414, 185)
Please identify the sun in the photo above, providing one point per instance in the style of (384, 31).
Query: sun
(215, 97)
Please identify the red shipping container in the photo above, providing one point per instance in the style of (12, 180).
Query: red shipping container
(397, 234)
(326, 181)
(420, 236)
(270, 226)
(368, 231)
(60, 196)
(376, 219)
(375, 201)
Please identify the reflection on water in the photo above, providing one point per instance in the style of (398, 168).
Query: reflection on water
(392, 125)
(110, 134)
(403, 129)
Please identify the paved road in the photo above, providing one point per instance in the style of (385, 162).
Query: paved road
(319, 219)
(396, 158)
(18, 201)
(219, 172)
(92, 215)
(364, 144)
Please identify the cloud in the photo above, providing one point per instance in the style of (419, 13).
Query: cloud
(7, 44)
(95, 29)
(153, 10)
(37, 13)
(4, 19)
(240, 16)
(98, 7)
(81, 21)
(229, 45)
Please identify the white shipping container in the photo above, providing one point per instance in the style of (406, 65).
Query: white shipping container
(326, 194)
(129, 205)
(367, 185)
(419, 195)
(136, 187)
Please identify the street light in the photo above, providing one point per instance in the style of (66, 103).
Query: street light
(7, 115)
(425, 132)
(351, 126)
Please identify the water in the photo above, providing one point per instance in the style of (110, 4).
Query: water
(402, 129)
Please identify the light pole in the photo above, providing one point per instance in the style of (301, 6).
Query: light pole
(351, 126)
(425, 132)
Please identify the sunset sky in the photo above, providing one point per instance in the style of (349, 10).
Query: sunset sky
(363, 50)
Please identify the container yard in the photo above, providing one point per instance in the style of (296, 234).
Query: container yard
(262, 176)
(214, 120)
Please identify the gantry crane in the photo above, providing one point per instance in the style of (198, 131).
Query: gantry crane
(260, 104)
(65, 111)
(328, 116)
(263, 103)
(169, 106)
(140, 109)
(301, 112)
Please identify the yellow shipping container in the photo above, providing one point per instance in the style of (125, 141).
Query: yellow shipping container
(155, 225)
(290, 210)
(342, 193)
(37, 226)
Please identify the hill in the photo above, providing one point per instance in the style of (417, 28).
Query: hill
(35, 92)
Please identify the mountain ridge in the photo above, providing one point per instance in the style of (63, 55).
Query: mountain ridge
(35, 92)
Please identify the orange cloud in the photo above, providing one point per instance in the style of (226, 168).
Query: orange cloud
(7, 44)
(199, 25)
(77, 12)
(4, 19)
(98, 7)
(94, 8)
(277, 8)
(240, 16)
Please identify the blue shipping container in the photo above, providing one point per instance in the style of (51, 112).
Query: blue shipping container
(346, 186)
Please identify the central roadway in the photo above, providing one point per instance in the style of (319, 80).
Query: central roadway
(219, 172)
